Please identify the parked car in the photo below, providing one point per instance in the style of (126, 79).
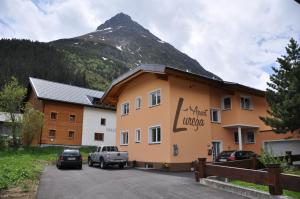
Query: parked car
(225, 156)
(108, 155)
(68, 158)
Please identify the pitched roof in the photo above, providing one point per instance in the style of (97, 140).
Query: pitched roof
(49, 90)
(163, 69)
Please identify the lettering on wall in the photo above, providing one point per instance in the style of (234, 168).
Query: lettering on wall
(195, 120)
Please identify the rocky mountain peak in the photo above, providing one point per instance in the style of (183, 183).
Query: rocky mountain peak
(120, 20)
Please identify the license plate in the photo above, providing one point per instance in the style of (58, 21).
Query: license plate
(71, 158)
(223, 160)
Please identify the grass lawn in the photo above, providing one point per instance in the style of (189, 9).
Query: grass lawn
(21, 168)
(266, 189)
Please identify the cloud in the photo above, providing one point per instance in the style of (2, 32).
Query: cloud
(239, 41)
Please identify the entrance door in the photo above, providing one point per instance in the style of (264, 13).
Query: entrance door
(216, 149)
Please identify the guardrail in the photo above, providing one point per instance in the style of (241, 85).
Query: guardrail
(272, 177)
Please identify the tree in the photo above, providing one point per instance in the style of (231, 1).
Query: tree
(32, 123)
(11, 98)
(283, 94)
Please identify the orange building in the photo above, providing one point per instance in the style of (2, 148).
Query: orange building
(169, 116)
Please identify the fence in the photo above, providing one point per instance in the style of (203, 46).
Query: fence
(272, 177)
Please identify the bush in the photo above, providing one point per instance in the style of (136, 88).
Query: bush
(269, 158)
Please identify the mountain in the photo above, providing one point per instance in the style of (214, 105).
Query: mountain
(122, 42)
(24, 58)
(92, 60)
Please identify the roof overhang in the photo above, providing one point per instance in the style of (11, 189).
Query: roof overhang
(248, 126)
(112, 93)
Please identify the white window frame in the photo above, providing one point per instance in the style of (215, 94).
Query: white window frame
(219, 115)
(150, 134)
(150, 97)
(138, 138)
(250, 102)
(246, 137)
(123, 110)
(223, 104)
(122, 142)
(137, 105)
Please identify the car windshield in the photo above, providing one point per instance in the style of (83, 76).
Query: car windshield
(70, 152)
(226, 153)
(112, 148)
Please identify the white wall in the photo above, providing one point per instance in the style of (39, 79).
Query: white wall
(92, 124)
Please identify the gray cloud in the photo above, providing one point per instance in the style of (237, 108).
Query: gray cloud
(239, 41)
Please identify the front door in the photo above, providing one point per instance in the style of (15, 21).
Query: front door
(216, 149)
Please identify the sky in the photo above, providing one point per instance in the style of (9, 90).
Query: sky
(238, 40)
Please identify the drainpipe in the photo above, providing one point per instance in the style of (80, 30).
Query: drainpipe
(240, 138)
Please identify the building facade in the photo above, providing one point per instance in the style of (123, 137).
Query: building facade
(72, 115)
(168, 116)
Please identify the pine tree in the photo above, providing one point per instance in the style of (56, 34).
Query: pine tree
(283, 94)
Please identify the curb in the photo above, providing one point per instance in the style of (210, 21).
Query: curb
(242, 191)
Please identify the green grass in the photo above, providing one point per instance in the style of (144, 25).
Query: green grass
(19, 167)
(264, 188)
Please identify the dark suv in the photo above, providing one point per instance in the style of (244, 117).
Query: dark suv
(69, 157)
(234, 155)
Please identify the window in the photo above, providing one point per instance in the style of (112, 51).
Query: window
(215, 115)
(53, 115)
(138, 103)
(246, 103)
(103, 121)
(226, 103)
(138, 135)
(250, 137)
(52, 133)
(124, 138)
(99, 136)
(71, 134)
(72, 118)
(154, 135)
(155, 98)
(125, 108)
(236, 137)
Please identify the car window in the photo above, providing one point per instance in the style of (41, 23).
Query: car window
(239, 154)
(104, 149)
(226, 153)
(71, 152)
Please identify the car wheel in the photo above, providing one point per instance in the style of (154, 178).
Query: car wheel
(121, 166)
(90, 162)
(80, 167)
(102, 163)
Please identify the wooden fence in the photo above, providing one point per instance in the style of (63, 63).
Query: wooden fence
(271, 177)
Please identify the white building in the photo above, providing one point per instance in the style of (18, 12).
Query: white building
(99, 127)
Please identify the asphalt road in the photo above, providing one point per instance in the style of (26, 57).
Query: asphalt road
(127, 183)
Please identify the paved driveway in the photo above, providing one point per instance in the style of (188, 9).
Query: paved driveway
(126, 183)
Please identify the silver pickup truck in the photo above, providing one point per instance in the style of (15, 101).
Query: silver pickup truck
(108, 155)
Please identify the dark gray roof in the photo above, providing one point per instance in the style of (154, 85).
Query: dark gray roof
(48, 90)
